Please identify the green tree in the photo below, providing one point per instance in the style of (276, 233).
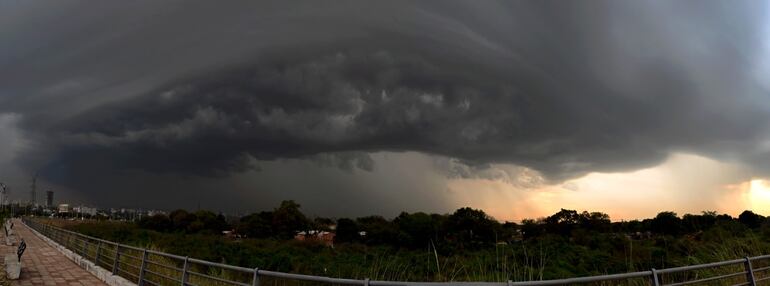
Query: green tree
(667, 223)
(288, 220)
(378, 230)
(472, 227)
(256, 225)
(693, 223)
(418, 229)
(562, 222)
(595, 221)
(347, 231)
(158, 222)
(532, 228)
(750, 219)
(181, 220)
(208, 222)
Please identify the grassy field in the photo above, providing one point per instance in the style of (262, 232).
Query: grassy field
(546, 257)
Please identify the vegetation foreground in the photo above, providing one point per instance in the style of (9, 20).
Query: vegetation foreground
(466, 245)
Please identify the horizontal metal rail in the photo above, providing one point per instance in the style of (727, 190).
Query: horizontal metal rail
(719, 277)
(135, 264)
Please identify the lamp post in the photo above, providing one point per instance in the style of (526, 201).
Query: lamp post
(3, 195)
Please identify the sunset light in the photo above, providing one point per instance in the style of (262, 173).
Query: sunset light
(759, 196)
(397, 142)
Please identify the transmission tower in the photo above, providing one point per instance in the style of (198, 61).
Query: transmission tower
(33, 192)
(3, 194)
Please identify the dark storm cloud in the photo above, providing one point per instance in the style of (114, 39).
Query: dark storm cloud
(205, 89)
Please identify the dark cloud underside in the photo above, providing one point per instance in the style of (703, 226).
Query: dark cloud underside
(205, 89)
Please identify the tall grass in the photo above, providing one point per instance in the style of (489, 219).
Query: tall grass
(548, 257)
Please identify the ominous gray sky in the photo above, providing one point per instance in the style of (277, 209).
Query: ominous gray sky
(378, 105)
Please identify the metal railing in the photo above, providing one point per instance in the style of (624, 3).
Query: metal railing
(150, 267)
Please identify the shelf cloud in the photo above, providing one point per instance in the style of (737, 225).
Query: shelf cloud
(533, 92)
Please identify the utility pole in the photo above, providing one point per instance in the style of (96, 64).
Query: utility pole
(3, 196)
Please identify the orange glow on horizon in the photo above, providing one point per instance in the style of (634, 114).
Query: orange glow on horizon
(684, 183)
(759, 196)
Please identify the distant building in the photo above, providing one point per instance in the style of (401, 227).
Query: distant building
(324, 237)
(88, 210)
(85, 210)
(49, 199)
(64, 208)
(155, 212)
(231, 234)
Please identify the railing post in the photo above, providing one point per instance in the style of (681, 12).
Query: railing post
(366, 281)
(749, 272)
(255, 282)
(185, 267)
(85, 248)
(117, 259)
(142, 266)
(96, 256)
(655, 280)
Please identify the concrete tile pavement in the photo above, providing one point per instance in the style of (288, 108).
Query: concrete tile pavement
(44, 265)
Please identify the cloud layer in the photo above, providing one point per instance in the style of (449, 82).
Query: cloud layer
(560, 90)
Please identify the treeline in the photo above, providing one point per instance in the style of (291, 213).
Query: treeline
(465, 245)
(202, 222)
(464, 228)
(566, 222)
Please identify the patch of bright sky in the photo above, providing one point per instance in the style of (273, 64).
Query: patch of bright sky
(684, 183)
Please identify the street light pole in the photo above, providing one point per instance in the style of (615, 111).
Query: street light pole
(3, 195)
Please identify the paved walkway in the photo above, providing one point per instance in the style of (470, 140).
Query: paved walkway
(44, 265)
